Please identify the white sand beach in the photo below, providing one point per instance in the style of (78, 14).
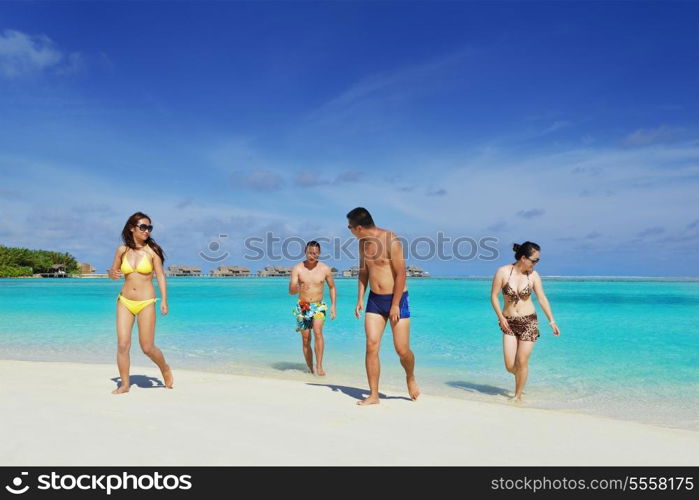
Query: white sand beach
(64, 414)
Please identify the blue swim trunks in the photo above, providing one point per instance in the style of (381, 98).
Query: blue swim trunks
(381, 304)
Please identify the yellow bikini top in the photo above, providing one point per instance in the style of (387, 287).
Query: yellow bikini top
(145, 266)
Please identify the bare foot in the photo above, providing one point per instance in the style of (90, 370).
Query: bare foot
(168, 378)
(310, 369)
(121, 389)
(517, 399)
(371, 400)
(413, 389)
(320, 371)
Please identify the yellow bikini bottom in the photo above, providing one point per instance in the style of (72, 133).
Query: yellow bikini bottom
(135, 306)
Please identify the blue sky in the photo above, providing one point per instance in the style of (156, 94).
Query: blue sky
(570, 124)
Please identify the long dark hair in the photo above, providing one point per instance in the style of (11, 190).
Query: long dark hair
(127, 236)
(526, 249)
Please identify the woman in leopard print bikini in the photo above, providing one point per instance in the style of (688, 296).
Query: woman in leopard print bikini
(518, 320)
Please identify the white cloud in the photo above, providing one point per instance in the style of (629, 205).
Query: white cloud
(627, 192)
(308, 178)
(48, 215)
(258, 180)
(25, 55)
(435, 191)
(651, 231)
(531, 213)
(557, 125)
(644, 137)
(350, 176)
(366, 99)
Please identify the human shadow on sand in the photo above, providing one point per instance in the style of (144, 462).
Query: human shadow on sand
(356, 393)
(490, 390)
(285, 366)
(143, 381)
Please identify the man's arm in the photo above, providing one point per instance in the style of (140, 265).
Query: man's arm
(362, 280)
(398, 269)
(333, 292)
(294, 281)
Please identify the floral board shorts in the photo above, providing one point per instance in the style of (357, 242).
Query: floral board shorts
(306, 312)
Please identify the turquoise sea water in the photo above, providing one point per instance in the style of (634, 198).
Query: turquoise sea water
(629, 348)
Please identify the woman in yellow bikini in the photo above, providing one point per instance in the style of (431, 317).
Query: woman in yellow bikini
(518, 320)
(137, 259)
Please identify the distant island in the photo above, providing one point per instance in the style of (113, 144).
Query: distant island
(26, 263)
(22, 262)
(275, 271)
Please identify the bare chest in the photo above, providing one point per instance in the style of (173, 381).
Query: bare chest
(313, 276)
(376, 255)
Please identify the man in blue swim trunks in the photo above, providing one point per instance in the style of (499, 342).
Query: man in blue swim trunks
(308, 280)
(382, 266)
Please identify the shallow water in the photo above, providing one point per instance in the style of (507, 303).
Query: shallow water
(628, 349)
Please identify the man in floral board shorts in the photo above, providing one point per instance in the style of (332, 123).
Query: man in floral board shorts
(308, 280)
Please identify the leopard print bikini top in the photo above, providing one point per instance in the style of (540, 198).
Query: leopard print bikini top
(510, 292)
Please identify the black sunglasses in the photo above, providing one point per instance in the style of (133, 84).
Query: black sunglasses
(533, 261)
(144, 227)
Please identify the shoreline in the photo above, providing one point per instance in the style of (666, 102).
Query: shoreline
(71, 418)
(294, 370)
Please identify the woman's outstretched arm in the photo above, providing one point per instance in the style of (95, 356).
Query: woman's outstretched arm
(544, 302)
